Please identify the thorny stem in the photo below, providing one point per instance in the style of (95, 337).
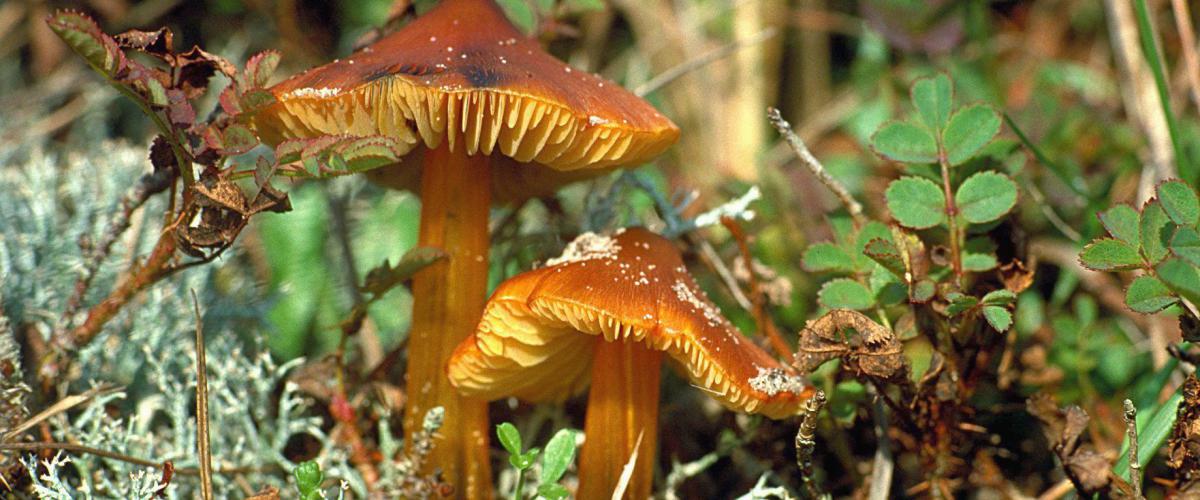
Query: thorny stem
(952, 219)
(147, 186)
(1135, 467)
(806, 157)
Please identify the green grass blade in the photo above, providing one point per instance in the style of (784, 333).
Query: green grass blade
(1154, 425)
(1074, 182)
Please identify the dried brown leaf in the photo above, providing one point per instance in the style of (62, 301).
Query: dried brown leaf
(875, 351)
(1183, 447)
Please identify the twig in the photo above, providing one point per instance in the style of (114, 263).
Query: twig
(815, 166)
(806, 442)
(1135, 468)
(202, 444)
(762, 317)
(1187, 40)
(148, 185)
(703, 60)
(883, 465)
(59, 406)
(710, 257)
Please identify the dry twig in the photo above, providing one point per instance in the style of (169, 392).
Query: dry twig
(815, 166)
(1135, 468)
(202, 443)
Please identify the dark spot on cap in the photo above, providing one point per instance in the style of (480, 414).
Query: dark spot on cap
(480, 77)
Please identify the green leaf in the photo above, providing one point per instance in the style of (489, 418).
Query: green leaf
(886, 287)
(978, 262)
(1181, 277)
(960, 303)
(1121, 221)
(523, 461)
(845, 293)
(1154, 425)
(1148, 295)
(1186, 244)
(1155, 232)
(82, 34)
(916, 202)
(905, 142)
(1107, 254)
(553, 491)
(968, 131)
(985, 197)
(873, 230)
(826, 257)
(1180, 202)
(998, 317)
(560, 452)
(385, 277)
(999, 298)
(887, 254)
(933, 97)
(922, 291)
(521, 15)
(510, 438)
(308, 480)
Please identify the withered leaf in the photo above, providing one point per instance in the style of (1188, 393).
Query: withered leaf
(1183, 447)
(1015, 276)
(162, 157)
(158, 43)
(195, 68)
(875, 351)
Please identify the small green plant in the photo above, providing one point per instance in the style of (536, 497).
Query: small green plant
(556, 458)
(1161, 240)
(308, 480)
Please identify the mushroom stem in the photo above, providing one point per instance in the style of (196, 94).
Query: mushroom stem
(622, 404)
(448, 299)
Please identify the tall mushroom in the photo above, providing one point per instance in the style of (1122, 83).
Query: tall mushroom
(608, 309)
(484, 110)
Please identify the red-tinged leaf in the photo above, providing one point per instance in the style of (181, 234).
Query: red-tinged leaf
(230, 101)
(157, 43)
(254, 100)
(84, 37)
(238, 139)
(259, 69)
(180, 110)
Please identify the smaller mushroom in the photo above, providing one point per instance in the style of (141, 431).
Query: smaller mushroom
(634, 299)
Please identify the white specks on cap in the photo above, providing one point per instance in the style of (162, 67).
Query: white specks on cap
(320, 93)
(772, 381)
(594, 120)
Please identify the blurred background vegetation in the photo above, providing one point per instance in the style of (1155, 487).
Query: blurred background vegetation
(1059, 69)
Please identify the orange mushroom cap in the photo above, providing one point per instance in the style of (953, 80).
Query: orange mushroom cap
(462, 73)
(632, 287)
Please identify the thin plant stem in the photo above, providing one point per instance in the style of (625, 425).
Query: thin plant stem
(952, 220)
(516, 494)
(1135, 467)
(202, 442)
(806, 157)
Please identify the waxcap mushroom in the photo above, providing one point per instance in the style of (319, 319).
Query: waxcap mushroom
(630, 287)
(464, 75)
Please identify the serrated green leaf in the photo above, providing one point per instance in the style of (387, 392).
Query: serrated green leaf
(933, 97)
(845, 293)
(1108, 254)
(1155, 231)
(237, 139)
(1148, 295)
(886, 287)
(873, 230)
(84, 37)
(999, 297)
(827, 257)
(985, 197)
(1121, 221)
(1186, 245)
(1180, 202)
(886, 254)
(960, 303)
(999, 317)
(916, 203)
(905, 142)
(1181, 277)
(510, 438)
(968, 131)
(560, 452)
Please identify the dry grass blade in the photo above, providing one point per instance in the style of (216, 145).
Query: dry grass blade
(60, 406)
(627, 471)
(705, 59)
(202, 442)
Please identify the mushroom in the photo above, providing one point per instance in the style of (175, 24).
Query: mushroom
(486, 113)
(609, 308)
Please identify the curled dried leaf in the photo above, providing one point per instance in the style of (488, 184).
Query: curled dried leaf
(875, 351)
(1183, 447)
